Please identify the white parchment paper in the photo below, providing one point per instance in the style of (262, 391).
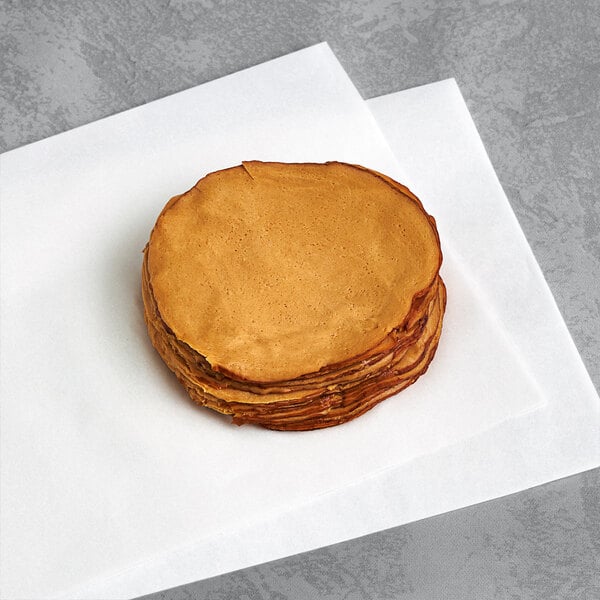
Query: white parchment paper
(559, 440)
(105, 464)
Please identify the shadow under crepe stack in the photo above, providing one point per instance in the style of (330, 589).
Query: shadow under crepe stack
(294, 296)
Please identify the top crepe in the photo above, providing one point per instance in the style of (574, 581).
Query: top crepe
(273, 271)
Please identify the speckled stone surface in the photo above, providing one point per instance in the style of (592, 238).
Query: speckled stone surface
(542, 543)
(530, 72)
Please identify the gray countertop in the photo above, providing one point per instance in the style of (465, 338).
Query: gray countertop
(530, 74)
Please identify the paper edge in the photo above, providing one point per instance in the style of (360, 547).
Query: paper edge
(516, 228)
(319, 46)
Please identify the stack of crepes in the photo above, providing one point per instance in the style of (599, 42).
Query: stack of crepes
(294, 296)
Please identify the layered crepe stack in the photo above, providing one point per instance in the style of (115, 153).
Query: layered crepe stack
(294, 296)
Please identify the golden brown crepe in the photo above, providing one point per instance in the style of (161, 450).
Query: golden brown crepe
(295, 296)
